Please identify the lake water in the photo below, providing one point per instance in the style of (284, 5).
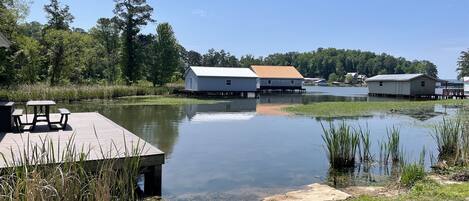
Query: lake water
(240, 150)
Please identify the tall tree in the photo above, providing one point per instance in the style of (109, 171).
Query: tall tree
(59, 19)
(130, 16)
(106, 34)
(219, 58)
(167, 55)
(463, 64)
(193, 58)
(11, 12)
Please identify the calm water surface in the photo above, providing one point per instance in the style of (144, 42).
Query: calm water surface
(234, 150)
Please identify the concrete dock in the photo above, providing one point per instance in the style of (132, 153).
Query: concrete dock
(104, 139)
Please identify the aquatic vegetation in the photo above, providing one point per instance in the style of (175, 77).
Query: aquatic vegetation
(341, 143)
(365, 144)
(352, 109)
(78, 92)
(452, 143)
(411, 173)
(42, 172)
(390, 149)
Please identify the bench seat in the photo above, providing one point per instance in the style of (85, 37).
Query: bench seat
(17, 113)
(64, 111)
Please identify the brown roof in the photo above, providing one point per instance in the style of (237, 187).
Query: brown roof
(276, 72)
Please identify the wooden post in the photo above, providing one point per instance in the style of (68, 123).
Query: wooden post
(153, 180)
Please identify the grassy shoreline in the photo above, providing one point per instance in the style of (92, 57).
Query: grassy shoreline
(24, 93)
(351, 109)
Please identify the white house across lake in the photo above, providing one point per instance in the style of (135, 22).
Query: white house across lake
(220, 79)
(414, 85)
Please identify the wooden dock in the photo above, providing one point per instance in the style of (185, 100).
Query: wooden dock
(93, 132)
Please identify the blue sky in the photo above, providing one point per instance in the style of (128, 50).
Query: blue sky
(435, 30)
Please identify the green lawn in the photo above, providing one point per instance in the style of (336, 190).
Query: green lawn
(162, 100)
(427, 190)
(350, 109)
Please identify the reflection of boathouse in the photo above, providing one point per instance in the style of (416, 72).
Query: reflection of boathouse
(239, 109)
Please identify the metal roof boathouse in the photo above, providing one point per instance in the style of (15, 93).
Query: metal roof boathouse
(407, 85)
(220, 81)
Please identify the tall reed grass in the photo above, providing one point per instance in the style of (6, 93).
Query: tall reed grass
(390, 149)
(452, 141)
(341, 143)
(365, 144)
(44, 171)
(78, 92)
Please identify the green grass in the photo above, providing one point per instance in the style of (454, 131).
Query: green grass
(67, 176)
(161, 100)
(351, 109)
(427, 190)
(78, 92)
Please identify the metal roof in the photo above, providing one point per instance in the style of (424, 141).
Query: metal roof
(277, 72)
(396, 77)
(4, 41)
(203, 71)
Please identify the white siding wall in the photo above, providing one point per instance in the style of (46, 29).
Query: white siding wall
(418, 89)
(191, 81)
(281, 82)
(407, 88)
(389, 87)
(219, 84)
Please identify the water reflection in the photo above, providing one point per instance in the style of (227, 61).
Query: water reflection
(241, 148)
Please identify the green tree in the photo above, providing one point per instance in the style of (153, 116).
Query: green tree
(57, 27)
(130, 15)
(29, 60)
(11, 12)
(463, 64)
(333, 77)
(106, 33)
(167, 55)
(219, 58)
(58, 17)
(193, 58)
(248, 60)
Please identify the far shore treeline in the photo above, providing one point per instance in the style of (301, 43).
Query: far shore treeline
(115, 51)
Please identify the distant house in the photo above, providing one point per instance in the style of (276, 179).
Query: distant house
(402, 85)
(4, 41)
(351, 78)
(219, 79)
(466, 86)
(278, 77)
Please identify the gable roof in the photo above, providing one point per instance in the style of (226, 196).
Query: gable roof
(277, 72)
(397, 77)
(4, 41)
(203, 71)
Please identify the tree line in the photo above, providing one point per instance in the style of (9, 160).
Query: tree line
(328, 63)
(115, 51)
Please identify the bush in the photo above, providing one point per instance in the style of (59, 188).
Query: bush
(411, 173)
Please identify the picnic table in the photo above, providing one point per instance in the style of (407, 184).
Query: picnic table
(41, 112)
